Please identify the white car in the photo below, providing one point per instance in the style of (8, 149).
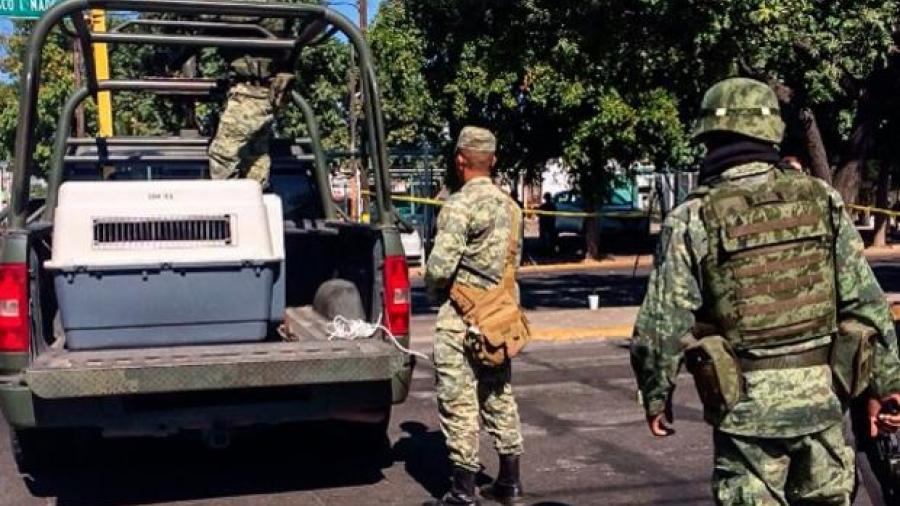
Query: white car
(412, 246)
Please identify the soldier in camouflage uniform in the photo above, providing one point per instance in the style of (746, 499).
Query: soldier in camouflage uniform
(259, 83)
(474, 229)
(763, 271)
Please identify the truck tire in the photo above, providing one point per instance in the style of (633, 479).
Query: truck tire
(37, 450)
(31, 449)
(339, 297)
(372, 438)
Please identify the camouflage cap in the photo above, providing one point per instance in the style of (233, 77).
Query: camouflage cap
(477, 139)
(742, 106)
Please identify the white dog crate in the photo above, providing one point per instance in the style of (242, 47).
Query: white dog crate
(160, 263)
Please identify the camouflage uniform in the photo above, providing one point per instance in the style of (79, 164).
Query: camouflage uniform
(782, 442)
(470, 248)
(241, 145)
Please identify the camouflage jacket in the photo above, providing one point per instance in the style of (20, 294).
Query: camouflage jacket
(471, 244)
(776, 403)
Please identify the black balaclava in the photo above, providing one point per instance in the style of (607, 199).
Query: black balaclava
(726, 151)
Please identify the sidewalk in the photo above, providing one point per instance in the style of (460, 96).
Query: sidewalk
(885, 254)
(560, 325)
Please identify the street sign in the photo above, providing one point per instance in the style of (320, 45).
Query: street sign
(31, 9)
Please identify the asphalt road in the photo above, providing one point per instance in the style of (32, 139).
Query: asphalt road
(565, 289)
(586, 445)
(585, 438)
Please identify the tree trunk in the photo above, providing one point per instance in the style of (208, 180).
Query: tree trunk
(592, 238)
(847, 180)
(849, 176)
(815, 146)
(879, 239)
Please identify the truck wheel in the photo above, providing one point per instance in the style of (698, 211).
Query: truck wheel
(36, 450)
(375, 435)
(30, 449)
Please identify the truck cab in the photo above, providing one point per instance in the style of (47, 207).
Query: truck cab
(143, 298)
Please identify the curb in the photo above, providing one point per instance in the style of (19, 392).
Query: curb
(587, 265)
(583, 333)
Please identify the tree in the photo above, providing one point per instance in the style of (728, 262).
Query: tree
(56, 83)
(537, 74)
(411, 112)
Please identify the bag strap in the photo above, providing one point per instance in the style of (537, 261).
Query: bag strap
(509, 270)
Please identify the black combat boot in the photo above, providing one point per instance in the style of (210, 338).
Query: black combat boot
(462, 490)
(507, 488)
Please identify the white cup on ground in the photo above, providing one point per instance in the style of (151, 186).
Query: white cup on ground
(594, 302)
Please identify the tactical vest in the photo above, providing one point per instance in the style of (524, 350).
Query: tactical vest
(769, 277)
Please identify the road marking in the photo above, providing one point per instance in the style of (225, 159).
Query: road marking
(561, 334)
(579, 333)
(586, 265)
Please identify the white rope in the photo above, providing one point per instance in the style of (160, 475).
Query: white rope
(345, 329)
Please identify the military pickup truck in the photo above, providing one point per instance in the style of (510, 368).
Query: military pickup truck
(143, 298)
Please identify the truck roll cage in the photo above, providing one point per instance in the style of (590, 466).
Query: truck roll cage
(187, 86)
(318, 23)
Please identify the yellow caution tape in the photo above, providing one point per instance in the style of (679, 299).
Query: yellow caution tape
(874, 210)
(418, 200)
(564, 214)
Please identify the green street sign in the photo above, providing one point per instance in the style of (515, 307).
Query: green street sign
(31, 9)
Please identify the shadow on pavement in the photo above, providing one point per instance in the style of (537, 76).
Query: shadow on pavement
(423, 453)
(888, 276)
(567, 290)
(571, 248)
(140, 471)
(570, 291)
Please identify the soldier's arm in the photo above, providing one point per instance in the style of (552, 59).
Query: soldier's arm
(860, 298)
(449, 245)
(666, 315)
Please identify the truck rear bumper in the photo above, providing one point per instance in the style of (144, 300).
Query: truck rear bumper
(66, 374)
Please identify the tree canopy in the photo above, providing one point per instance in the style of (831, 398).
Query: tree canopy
(589, 81)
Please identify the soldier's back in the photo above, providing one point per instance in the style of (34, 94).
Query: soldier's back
(489, 214)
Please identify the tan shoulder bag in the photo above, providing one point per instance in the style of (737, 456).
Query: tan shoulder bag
(503, 327)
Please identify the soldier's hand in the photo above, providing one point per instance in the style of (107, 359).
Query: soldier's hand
(884, 414)
(661, 424)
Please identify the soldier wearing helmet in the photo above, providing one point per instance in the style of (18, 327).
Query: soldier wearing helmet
(761, 289)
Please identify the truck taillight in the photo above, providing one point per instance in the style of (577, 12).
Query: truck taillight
(396, 295)
(14, 333)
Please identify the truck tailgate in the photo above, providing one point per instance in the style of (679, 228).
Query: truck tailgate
(67, 374)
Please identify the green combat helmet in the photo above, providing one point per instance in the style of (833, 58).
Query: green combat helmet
(742, 106)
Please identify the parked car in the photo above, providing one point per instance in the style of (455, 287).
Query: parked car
(422, 219)
(412, 247)
(619, 215)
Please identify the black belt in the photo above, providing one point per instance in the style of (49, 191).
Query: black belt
(808, 358)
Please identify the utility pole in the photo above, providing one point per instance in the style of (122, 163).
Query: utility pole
(364, 15)
(354, 80)
(101, 62)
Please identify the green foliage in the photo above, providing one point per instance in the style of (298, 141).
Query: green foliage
(553, 78)
(587, 80)
(322, 80)
(411, 113)
(56, 83)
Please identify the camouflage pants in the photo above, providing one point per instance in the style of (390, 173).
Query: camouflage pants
(465, 390)
(241, 145)
(814, 469)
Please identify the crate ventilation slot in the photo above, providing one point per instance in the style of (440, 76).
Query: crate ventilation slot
(193, 231)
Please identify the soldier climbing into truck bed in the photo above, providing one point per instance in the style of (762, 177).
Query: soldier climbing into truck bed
(258, 85)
